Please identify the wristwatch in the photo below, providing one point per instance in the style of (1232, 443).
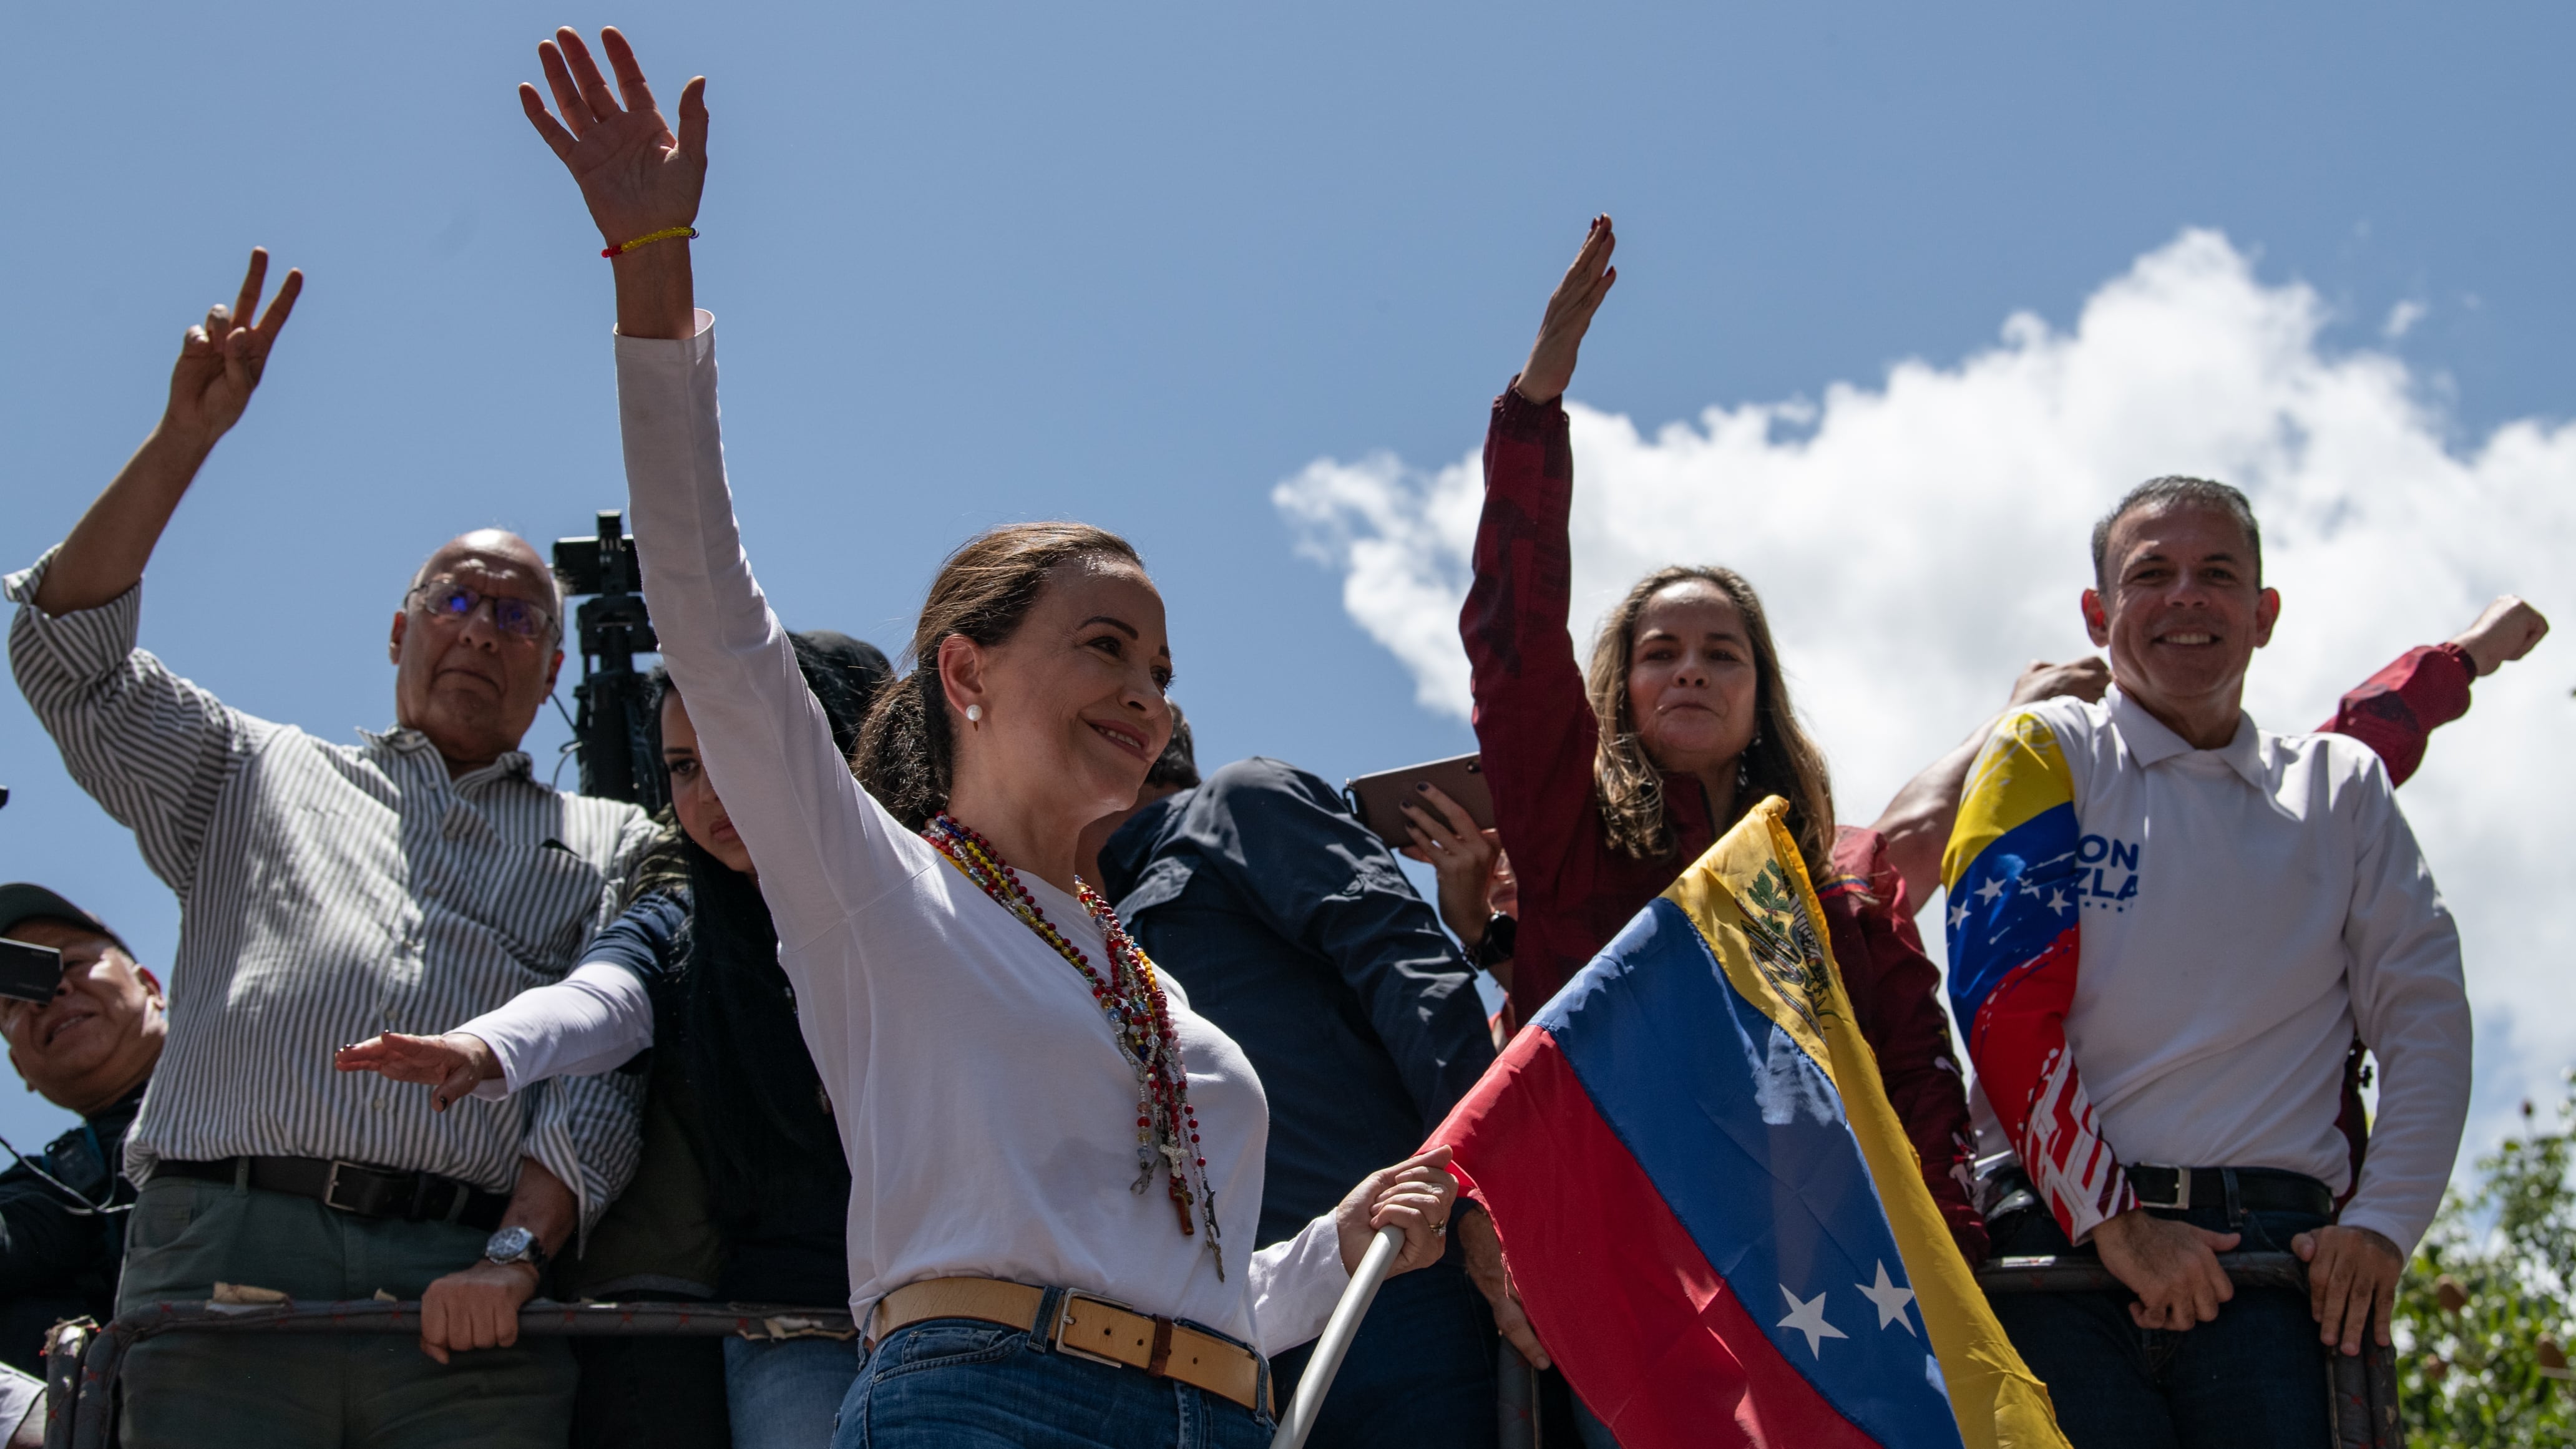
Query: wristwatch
(515, 1245)
(1502, 933)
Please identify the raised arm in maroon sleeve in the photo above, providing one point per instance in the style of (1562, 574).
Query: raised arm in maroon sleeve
(2396, 710)
(1534, 723)
(1539, 737)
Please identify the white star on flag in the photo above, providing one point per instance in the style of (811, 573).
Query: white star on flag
(1809, 1319)
(1958, 914)
(1891, 1300)
(2060, 904)
(1993, 887)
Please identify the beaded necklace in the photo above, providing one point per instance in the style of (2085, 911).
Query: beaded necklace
(1167, 1128)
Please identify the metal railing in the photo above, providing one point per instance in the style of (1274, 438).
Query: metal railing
(84, 1362)
(2361, 1388)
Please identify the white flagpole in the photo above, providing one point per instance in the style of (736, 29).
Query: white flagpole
(1339, 1329)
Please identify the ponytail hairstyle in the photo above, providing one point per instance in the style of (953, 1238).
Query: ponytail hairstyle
(907, 753)
(1783, 761)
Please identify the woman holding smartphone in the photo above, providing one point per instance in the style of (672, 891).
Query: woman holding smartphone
(1055, 1164)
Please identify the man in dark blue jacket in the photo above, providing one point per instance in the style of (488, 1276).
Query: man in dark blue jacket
(1293, 928)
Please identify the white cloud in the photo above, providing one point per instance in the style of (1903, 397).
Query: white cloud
(1919, 541)
(2402, 319)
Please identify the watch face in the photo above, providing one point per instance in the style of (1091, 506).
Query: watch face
(509, 1245)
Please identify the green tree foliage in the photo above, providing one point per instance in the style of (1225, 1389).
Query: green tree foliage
(2483, 1312)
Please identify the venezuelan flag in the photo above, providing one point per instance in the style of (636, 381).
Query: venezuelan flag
(1714, 1220)
(2013, 885)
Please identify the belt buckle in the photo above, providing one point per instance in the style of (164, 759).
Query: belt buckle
(2181, 1201)
(331, 1190)
(1064, 1315)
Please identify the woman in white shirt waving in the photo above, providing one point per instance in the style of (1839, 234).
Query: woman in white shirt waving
(1055, 1164)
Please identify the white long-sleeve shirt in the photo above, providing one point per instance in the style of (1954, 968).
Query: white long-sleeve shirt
(2246, 911)
(594, 1020)
(985, 1109)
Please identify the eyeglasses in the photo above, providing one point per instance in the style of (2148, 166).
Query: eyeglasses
(448, 600)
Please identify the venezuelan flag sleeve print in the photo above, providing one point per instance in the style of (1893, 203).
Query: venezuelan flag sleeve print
(2010, 874)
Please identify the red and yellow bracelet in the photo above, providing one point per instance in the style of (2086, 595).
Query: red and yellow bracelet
(668, 233)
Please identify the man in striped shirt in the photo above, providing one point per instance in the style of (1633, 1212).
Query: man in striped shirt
(329, 893)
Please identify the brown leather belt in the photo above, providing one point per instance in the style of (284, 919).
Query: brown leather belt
(1085, 1326)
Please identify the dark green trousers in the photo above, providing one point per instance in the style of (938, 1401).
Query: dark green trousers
(323, 1390)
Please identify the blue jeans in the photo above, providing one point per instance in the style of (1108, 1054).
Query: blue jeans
(955, 1383)
(784, 1394)
(2255, 1376)
(1420, 1375)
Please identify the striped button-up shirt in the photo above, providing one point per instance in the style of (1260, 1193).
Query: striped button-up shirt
(328, 893)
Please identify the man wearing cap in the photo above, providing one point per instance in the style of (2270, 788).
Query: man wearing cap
(329, 893)
(89, 1050)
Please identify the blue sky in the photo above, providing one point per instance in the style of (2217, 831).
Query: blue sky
(1139, 265)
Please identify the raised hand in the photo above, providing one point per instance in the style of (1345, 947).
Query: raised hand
(1569, 315)
(637, 177)
(452, 1065)
(220, 362)
(2503, 633)
(219, 367)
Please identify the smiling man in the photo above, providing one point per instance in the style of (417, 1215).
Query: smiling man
(89, 1050)
(2167, 928)
(329, 893)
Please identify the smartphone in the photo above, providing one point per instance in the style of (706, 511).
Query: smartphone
(1376, 799)
(29, 973)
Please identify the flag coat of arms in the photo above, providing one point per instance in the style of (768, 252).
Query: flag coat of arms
(1714, 1220)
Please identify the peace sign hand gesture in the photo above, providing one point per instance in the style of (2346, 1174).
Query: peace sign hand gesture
(220, 362)
(637, 177)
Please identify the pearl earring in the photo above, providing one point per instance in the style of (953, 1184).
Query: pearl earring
(974, 714)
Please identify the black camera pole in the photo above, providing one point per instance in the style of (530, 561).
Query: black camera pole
(612, 732)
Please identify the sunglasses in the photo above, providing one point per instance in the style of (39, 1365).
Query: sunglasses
(452, 602)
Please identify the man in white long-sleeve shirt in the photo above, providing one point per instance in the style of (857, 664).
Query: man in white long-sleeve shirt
(2168, 928)
(329, 892)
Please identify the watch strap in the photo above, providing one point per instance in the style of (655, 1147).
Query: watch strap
(532, 1252)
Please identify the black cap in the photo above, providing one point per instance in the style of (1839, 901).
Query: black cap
(22, 901)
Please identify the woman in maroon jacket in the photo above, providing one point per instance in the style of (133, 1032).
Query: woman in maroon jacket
(1606, 786)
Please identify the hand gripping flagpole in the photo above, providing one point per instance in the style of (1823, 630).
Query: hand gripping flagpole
(1339, 1330)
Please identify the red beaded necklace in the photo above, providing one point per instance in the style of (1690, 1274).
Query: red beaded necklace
(1167, 1128)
